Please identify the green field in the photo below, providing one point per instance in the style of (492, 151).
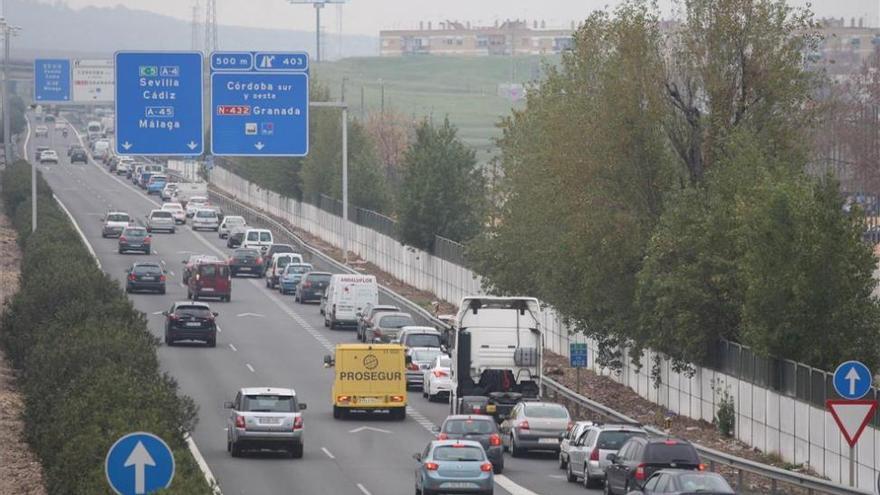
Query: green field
(463, 88)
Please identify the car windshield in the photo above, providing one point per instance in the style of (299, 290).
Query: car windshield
(458, 453)
(423, 340)
(265, 237)
(425, 354)
(147, 269)
(117, 217)
(394, 321)
(206, 214)
(703, 482)
(135, 232)
(161, 214)
(269, 403)
(546, 411)
(197, 311)
(614, 440)
(469, 427)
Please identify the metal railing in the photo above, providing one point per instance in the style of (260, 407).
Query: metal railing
(809, 484)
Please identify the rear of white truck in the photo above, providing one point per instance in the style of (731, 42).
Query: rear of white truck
(497, 354)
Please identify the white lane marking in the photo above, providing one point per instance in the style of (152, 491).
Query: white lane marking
(170, 273)
(233, 348)
(510, 486)
(328, 453)
(250, 367)
(363, 489)
(368, 428)
(218, 328)
(157, 312)
(209, 476)
(82, 235)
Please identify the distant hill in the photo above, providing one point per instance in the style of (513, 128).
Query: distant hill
(53, 29)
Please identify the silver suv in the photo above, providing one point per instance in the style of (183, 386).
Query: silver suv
(161, 220)
(265, 418)
(588, 455)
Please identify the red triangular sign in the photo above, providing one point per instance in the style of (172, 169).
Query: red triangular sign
(852, 416)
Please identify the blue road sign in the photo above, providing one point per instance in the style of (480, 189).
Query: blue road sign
(852, 380)
(52, 80)
(577, 353)
(159, 103)
(139, 463)
(262, 110)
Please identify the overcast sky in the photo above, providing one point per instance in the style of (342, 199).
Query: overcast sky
(369, 16)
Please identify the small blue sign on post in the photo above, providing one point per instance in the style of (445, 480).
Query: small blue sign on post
(159, 108)
(852, 380)
(52, 80)
(139, 463)
(577, 354)
(259, 104)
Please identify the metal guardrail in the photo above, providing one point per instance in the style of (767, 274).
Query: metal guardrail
(776, 475)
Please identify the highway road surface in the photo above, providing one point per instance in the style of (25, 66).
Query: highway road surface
(266, 339)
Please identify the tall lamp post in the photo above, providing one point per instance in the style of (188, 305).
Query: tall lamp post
(341, 105)
(8, 32)
(318, 4)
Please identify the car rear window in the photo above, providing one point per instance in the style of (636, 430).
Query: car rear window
(293, 268)
(265, 237)
(197, 311)
(395, 321)
(320, 278)
(246, 253)
(253, 236)
(269, 403)
(116, 217)
(614, 440)
(135, 232)
(469, 426)
(147, 269)
(453, 453)
(234, 221)
(206, 214)
(445, 363)
(423, 340)
(663, 453)
(546, 411)
(161, 214)
(425, 354)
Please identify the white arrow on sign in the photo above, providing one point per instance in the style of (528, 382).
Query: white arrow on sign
(259, 145)
(852, 377)
(258, 315)
(852, 416)
(126, 145)
(139, 458)
(368, 428)
(192, 145)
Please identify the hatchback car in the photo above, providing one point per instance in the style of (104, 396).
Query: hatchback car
(365, 317)
(196, 203)
(458, 466)
(312, 287)
(206, 219)
(41, 131)
(134, 239)
(535, 426)
(145, 276)
(39, 151)
(114, 223)
(588, 453)
(236, 237)
(177, 212)
(245, 262)
(156, 184)
(419, 359)
(437, 381)
(230, 222)
(569, 439)
(79, 155)
(416, 336)
(265, 418)
(49, 156)
(386, 326)
(290, 277)
(478, 428)
(276, 265)
(168, 193)
(161, 220)
(684, 482)
(641, 457)
(190, 321)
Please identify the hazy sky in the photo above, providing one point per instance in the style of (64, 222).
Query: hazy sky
(369, 16)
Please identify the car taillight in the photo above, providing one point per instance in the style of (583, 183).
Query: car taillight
(442, 436)
(172, 316)
(161, 278)
(640, 472)
(486, 467)
(377, 332)
(702, 467)
(412, 367)
(131, 276)
(259, 261)
(147, 240)
(594, 455)
(524, 425)
(122, 238)
(440, 373)
(298, 423)
(494, 440)
(570, 424)
(307, 285)
(239, 422)
(432, 466)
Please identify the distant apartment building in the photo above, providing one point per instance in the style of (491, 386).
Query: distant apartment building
(456, 38)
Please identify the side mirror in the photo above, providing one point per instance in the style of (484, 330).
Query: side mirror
(215, 313)
(436, 429)
(328, 361)
(563, 435)
(164, 313)
(227, 405)
(417, 456)
(302, 406)
(408, 359)
(612, 458)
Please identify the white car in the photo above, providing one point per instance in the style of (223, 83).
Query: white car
(196, 203)
(228, 224)
(123, 166)
(161, 220)
(438, 378)
(206, 219)
(168, 192)
(41, 130)
(49, 156)
(177, 212)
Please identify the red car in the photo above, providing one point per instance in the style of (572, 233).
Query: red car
(210, 278)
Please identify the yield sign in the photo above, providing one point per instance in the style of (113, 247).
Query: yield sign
(852, 416)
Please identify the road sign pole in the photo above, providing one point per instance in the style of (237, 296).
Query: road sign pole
(577, 387)
(318, 7)
(345, 228)
(7, 148)
(852, 466)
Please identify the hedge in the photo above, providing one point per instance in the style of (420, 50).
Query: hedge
(87, 361)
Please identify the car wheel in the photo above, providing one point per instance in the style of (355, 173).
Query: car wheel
(588, 481)
(569, 475)
(195, 297)
(189, 295)
(162, 291)
(514, 450)
(168, 339)
(120, 250)
(326, 323)
(235, 450)
(127, 289)
(212, 342)
(147, 251)
(562, 463)
(608, 490)
(332, 324)
(399, 414)
(296, 451)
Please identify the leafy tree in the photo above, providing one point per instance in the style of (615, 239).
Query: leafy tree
(443, 190)
(391, 131)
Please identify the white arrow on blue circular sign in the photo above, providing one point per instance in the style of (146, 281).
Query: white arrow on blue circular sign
(139, 463)
(852, 380)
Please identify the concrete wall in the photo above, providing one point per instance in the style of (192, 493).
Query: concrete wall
(797, 431)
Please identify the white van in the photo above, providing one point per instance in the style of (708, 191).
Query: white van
(94, 130)
(257, 239)
(346, 296)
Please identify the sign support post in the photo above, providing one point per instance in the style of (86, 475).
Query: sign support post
(344, 107)
(577, 355)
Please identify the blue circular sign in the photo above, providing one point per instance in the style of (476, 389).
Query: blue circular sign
(139, 463)
(852, 380)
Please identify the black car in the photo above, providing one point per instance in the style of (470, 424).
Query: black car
(640, 457)
(312, 286)
(135, 239)
(79, 155)
(73, 147)
(685, 482)
(246, 261)
(147, 276)
(187, 320)
(235, 237)
(275, 249)
(477, 428)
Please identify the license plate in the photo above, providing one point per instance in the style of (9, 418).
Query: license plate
(548, 440)
(368, 400)
(208, 289)
(458, 485)
(245, 268)
(270, 421)
(193, 324)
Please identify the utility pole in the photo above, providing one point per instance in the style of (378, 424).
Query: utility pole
(318, 7)
(8, 32)
(211, 43)
(194, 35)
(342, 106)
(382, 97)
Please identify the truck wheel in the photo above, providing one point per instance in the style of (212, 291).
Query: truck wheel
(338, 412)
(398, 414)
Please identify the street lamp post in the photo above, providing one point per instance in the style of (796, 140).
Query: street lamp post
(344, 107)
(9, 31)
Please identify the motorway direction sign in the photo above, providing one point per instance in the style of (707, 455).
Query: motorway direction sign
(577, 353)
(93, 81)
(852, 416)
(259, 104)
(159, 103)
(852, 380)
(139, 463)
(52, 80)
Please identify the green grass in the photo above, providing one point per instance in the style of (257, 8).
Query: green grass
(462, 88)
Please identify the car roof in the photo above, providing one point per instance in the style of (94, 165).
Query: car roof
(117, 213)
(543, 403)
(419, 329)
(394, 313)
(384, 306)
(191, 303)
(279, 255)
(619, 427)
(318, 273)
(655, 440)
(227, 217)
(259, 230)
(267, 390)
(446, 443)
(146, 263)
(480, 417)
(135, 227)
